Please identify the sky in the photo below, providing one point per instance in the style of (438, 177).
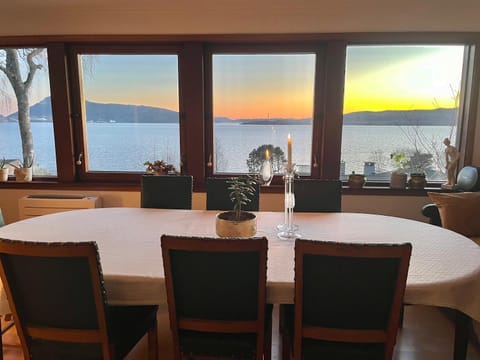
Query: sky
(274, 85)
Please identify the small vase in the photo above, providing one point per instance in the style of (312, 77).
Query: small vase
(417, 181)
(23, 174)
(398, 180)
(3, 175)
(356, 181)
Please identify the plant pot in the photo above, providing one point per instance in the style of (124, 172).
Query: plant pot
(3, 175)
(356, 181)
(398, 180)
(417, 181)
(227, 226)
(23, 174)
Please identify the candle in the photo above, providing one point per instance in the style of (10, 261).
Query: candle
(267, 155)
(289, 152)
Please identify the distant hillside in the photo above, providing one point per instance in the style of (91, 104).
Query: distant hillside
(119, 113)
(412, 117)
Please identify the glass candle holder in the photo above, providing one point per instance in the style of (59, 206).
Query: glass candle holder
(288, 230)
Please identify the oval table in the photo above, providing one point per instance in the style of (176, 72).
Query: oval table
(444, 267)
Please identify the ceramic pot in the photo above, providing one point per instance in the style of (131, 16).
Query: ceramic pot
(417, 181)
(227, 226)
(398, 180)
(356, 181)
(3, 175)
(23, 174)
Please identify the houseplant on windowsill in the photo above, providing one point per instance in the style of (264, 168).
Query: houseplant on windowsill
(238, 223)
(24, 172)
(398, 179)
(356, 181)
(3, 170)
(160, 167)
(417, 179)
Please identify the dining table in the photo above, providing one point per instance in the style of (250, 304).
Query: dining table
(444, 267)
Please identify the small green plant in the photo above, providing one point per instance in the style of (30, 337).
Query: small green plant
(27, 162)
(241, 188)
(3, 162)
(400, 160)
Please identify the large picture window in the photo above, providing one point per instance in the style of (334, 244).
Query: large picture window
(258, 99)
(26, 125)
(400, 101)
(130, 104)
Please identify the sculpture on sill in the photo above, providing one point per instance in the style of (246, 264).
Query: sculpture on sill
(451, 161)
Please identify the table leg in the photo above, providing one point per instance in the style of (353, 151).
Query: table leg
(462, 324)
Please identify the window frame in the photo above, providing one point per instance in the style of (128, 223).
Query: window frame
(196, 123)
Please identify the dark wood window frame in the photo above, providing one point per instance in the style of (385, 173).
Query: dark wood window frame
(195, 113)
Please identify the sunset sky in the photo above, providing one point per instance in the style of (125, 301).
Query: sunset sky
(261, 86)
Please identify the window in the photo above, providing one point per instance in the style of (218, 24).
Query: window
(130, 104)
(25, 110)
(258, 99)
(400, 100)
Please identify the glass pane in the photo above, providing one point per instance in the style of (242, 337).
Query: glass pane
(131, 107)
(26, 107)
(257, 101)
(400, 100)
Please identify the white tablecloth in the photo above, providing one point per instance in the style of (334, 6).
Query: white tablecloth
(444, 268)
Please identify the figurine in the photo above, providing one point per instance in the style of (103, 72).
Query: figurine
(451, 159)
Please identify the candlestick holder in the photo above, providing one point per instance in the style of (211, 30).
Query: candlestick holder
(288, 231)
(266, 173)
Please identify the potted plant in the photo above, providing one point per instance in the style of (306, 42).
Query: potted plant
(418, 179)
(238, 223)
(160, 167)
(398, 179)
(3, 170)
(356, 181)
(23, 173)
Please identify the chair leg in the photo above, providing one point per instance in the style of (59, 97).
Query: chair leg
(153, 342)
(268, 332)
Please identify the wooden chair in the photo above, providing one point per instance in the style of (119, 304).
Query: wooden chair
(315, 195)
(348, 299)
(59, 304)
(216, 297)
(167, 192)
(218, 196)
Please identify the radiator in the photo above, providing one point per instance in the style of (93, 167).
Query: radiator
(36, 205)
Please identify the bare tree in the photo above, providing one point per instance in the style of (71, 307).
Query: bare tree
(21, 78)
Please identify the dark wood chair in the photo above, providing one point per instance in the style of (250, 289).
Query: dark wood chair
(59, 304)
(218, 196)
(316, 195)
(348, 299)
(167, 192)
(216, 292)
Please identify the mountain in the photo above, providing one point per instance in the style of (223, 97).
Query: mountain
(445, 117)
(119, 113)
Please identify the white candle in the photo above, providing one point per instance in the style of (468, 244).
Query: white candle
(289, 152)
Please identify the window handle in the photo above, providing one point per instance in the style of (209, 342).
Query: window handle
(210, 163)
(79, 159)
(315, 161)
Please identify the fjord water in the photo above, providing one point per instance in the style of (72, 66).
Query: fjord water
(126, 146)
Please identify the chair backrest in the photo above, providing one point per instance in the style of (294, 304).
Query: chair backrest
(218, 196)
(167, 192)
(56, 295)
(348, 297)
(216, 285)
(316, 195)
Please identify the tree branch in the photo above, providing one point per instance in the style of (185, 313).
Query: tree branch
(32, 66)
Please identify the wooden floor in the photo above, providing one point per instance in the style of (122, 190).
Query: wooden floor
(427, 334)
